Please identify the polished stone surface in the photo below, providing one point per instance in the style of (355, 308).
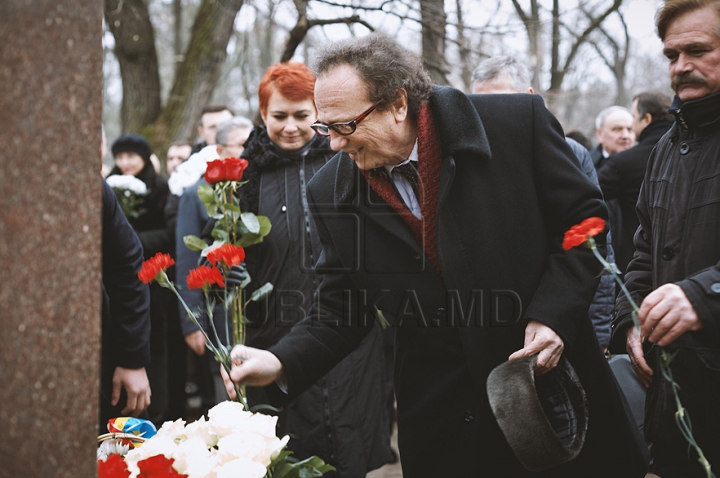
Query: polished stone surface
(51, 104)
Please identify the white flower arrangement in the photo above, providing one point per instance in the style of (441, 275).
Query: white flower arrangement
(128, 182)
(130, 192)
(231, 443)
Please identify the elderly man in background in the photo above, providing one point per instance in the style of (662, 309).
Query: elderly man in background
(614, 132)
(435, 202)
(621, 174)
(675, 272)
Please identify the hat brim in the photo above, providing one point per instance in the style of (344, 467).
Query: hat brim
(544, 419)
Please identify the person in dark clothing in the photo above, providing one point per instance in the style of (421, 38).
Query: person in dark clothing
(132, 156)
(124, 386)
(675, 271)
(621, 174)
(507, 75)
(464, 253)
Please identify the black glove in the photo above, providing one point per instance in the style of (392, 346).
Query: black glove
(236, 276)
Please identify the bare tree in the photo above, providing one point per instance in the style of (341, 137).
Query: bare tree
(303, 24)
(616, 60)
(531, 21)
(434, 21)
(194, 80)
(129, 22)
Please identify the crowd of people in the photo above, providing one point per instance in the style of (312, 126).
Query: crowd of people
(417, 245)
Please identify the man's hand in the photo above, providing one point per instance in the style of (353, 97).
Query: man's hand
(252, 367)
(637, 356)
(666, 314)
(137, 388)
(196, 341)
(542, 340)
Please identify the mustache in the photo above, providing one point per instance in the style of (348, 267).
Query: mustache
(687, 79)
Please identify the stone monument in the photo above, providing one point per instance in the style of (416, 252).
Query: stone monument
(50, 232)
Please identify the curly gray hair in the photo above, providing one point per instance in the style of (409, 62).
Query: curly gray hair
(384, 65)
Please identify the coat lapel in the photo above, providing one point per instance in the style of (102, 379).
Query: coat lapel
(352, 190)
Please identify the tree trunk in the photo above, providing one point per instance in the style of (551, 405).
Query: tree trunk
(198, 73)
(531, 21)
(433, 22)
(177, 31)
(129, 23)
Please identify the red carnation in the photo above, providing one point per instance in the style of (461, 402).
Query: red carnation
(113, 467)
(158, 467)
(215, 171)
(579, 233)
(152, 267)
(230, 254)
(234, 168)
(203, 276)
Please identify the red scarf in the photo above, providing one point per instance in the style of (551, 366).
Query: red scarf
(429, 160)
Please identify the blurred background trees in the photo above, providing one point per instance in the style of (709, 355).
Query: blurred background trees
(166, 59)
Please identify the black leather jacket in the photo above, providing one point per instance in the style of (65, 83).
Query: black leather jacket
(679, 242)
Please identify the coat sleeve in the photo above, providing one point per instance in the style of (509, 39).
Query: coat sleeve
(703, 291)
(126, 300)
(566, 197)
(319, 342)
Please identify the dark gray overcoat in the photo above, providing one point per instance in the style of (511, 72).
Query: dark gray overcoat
(508, 191)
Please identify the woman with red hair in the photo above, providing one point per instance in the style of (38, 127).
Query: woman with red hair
(342, 418)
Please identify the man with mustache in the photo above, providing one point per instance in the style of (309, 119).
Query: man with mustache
(675, 270)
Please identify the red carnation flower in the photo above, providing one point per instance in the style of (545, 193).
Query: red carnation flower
(158, 467)
(152, 267)
(215, 171)
(230, 254)
(579, 233)
(113, 467)
(234, 168)
(203, 276)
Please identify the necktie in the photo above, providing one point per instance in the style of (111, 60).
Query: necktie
(409, 172)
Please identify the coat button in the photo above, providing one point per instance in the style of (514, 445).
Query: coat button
(468, 416)
(684, 148)
(441, 312)
(667, 253)
(715, 287)
(417, 257)
(283, 209)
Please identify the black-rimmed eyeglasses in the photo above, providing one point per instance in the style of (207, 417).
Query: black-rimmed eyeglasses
(346, 128)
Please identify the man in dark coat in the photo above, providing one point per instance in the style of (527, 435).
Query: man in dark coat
(125, 389)
(675, 271)
(621, 174)
(505, 74)
(470, 266)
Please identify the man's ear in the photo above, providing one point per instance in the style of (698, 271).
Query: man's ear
(400, 106)
(648, 118)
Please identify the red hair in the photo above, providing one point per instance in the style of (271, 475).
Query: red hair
(293, 80)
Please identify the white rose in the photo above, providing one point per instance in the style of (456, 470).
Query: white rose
(193, 458)
(226, 417)
(201, 428)
(241, 468)
(243, 444)
(172, 429)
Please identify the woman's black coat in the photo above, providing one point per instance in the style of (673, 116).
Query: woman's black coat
(508, 190)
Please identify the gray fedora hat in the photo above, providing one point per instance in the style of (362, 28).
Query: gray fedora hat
(544, 419)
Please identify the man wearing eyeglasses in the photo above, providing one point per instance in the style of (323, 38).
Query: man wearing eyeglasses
(447, 213)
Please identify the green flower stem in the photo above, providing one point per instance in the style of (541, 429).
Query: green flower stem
(681, 415)
(223, 356)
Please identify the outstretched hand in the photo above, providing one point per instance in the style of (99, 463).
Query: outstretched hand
(252, 367)
(542, 340)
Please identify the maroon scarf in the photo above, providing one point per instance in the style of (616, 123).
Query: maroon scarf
(429, 159)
